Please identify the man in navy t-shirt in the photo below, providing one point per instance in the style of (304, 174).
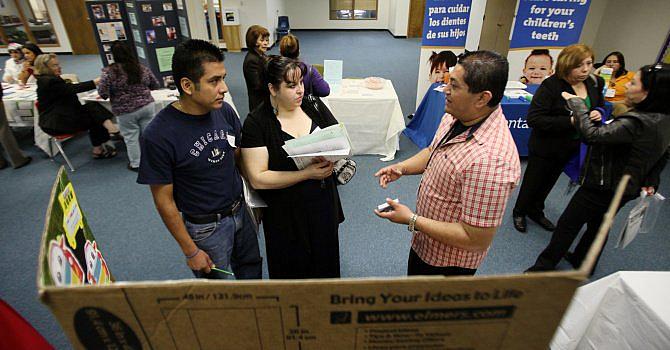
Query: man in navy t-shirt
(189, 154)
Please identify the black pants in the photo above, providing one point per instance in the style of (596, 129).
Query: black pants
(417, 267)
(91, 119)
(538, 180)
(587, 206)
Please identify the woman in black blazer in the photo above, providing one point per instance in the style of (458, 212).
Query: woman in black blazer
(553, 139)
(258, 41)
(62, 113)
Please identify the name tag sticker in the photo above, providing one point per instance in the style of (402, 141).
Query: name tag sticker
(231, 140)
(610, 93)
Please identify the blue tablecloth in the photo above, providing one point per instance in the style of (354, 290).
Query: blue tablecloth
(515, 110)
(422, 128)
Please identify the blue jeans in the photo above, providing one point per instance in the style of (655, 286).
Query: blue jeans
(130, 126)
(231, 243)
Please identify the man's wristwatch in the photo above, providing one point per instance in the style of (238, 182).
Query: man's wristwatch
(412, 223)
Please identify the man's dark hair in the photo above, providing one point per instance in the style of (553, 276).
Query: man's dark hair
(188, 59)
(485, 71)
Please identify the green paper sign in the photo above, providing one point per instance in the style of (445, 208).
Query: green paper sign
(164, 58)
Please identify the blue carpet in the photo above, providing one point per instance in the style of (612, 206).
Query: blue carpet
(138, 247)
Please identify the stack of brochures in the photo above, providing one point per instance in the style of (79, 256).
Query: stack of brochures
(331, 144)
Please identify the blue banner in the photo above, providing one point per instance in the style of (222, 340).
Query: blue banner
(553, 23)
(446, 22)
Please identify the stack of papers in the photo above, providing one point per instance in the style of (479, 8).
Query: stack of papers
(331, 143)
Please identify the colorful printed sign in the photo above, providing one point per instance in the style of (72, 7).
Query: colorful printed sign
(446, 23)
(70, 254)
(549, 23)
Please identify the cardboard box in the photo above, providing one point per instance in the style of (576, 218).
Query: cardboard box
(487, 312)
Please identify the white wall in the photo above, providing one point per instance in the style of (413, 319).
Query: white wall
(197, 22)
(315, 14)
(392, 16)
(275, 8)
(398, 17)
(593, 20)
(637, 29)
(261, 12)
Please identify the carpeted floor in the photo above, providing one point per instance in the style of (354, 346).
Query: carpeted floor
(138, 247)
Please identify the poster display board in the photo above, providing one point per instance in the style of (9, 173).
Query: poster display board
(551, 24)
(483, 312)
(445, 27)
(157, 28)
(110, 22)
(70, 255)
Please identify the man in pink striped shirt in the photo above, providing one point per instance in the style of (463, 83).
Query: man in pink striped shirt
(469, 171)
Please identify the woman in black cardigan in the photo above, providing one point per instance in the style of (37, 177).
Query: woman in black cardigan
(62, 113)
(553, 140)
(258, 40)
(304, 211)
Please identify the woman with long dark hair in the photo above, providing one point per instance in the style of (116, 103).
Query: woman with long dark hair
(128, 86)
(304, 211)
(616, 91)
(635, 143)
(30, 53)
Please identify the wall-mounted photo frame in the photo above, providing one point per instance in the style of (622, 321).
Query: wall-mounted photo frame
(98, 12)
(113, 11)
(151, 36)
(171, 33)
(158, 21)
(230, 17)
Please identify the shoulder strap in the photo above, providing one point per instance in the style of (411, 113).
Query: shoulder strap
(309, 76)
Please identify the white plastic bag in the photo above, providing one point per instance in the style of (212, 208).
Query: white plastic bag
(641, 219)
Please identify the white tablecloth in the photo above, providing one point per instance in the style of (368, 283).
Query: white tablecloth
(373, 118)
(21, 110)
(626, 310)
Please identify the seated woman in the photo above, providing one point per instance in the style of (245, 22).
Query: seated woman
(289, 46)
(428, 115)
(14, 64)
(128, 86)
(61, 112)
(537, 67)
(304, 211)
(616, 91)
(30, 52)
(635, 143)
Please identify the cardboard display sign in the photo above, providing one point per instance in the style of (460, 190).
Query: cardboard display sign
(70, 254)
(489, 312)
